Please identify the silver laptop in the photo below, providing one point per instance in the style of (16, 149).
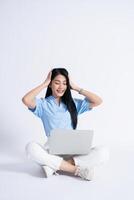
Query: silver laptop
(70, 142)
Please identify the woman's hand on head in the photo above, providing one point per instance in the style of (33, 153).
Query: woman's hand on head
(48, 79)
(73, 85)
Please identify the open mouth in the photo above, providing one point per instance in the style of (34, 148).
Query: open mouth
(60, 91)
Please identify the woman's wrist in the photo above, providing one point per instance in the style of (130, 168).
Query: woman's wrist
(80, 90)
(44, 85)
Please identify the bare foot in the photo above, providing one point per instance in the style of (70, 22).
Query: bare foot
(71, 161)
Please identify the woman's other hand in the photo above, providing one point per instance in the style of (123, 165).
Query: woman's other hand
(48, 79)
(73, 85)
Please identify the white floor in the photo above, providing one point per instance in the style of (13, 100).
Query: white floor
(22, 179)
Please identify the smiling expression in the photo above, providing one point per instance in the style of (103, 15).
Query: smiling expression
(58, 86)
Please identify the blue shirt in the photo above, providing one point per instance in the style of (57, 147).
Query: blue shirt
(56, 116)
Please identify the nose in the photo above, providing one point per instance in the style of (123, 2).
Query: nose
(61, 86)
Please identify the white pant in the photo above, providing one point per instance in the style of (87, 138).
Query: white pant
(39, 153)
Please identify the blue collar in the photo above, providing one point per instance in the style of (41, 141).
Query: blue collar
(51, 97)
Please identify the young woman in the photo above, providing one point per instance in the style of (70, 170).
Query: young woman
(59, 110)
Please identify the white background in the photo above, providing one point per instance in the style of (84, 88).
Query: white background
(93, 40)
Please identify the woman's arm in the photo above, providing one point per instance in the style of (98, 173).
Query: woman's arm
(93, 98)
(29, 98)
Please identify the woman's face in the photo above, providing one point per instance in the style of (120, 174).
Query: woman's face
(58, 86)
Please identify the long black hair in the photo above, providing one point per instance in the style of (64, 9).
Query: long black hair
(67, 97)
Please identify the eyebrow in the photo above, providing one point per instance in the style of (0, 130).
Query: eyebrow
(60, 81)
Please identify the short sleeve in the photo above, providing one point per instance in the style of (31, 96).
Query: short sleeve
(38, 110)
(82, 105)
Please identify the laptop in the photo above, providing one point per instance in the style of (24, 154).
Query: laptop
(70, 142)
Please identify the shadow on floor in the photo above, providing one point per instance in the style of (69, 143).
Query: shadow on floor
(31, 169)
(28, 168)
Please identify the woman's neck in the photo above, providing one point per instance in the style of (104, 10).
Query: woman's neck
(58, 100)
